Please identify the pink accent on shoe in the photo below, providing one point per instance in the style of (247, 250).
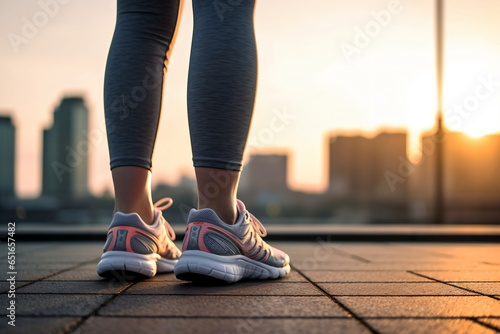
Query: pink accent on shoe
(132, 231)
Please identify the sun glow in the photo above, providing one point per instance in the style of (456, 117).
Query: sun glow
(479, 129)
(470, 99)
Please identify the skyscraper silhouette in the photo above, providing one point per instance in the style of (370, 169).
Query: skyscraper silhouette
(7, 157)
(357, 171)
(65, 151)
(358, 165)
(471, 186)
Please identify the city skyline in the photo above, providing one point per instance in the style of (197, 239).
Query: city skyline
(318, 64)
(370, 178)
(80, 137)
(67, 140)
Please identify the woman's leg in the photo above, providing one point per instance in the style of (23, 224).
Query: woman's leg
(221, 94)
(132, 97)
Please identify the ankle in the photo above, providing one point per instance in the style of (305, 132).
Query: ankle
(146, 213)
(227, 213)
(217, 191)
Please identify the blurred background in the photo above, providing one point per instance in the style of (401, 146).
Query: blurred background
(346, 127)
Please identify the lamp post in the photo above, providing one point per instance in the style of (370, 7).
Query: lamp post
(439, 136)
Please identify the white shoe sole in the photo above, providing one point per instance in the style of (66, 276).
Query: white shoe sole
(195, 263)
(144, 264)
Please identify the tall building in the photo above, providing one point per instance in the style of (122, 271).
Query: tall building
(348, 174)
(360, 176)
(66, 150)
(358, 166)
(264, 181)
(470, 178)
(265, 172)
(7, 157)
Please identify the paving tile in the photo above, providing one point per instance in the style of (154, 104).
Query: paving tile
(88, 266)
(363, 276)
(5, 286)
(76, 275)
(427, 266)
(54, 304)
(242, 289)
(392, 289)
(50, 325)
(492, 289)
(484, 252)
(62, 254)
(222, 306)
(30, 274)
(327, 265)
(89, 287)
(40, 265)
(418, 326)
(107, 325)
(422, 306)
(324, 256)
(292, 277)
(167, 277)
(393, 266)
(463, 275)
(495, 322)
(419, 257)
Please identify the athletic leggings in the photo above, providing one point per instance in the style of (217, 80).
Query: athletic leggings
(221, 81)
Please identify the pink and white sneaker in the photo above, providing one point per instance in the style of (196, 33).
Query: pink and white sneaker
(213, 249)
(135, 247)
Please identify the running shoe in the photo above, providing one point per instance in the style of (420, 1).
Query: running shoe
(137, 248)
(214, 250)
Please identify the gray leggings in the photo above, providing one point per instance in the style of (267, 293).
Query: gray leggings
(221, 82)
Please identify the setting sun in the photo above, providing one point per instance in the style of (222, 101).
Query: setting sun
(478, 129)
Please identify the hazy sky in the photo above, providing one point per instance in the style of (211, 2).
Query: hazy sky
(338, 66)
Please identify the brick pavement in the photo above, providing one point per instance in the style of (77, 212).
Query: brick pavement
(333, 288)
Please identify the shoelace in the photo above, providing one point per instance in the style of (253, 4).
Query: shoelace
(161, 206)
(261, 230)
(258, 225)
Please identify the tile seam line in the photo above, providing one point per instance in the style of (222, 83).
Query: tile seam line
(223, 295)
(77, 324)
(216, 295)
(206, 317)
(51, 275)
(161, 294)
(455, 286)
(430, 317)
(276, 317)
(338, 303)
(343, 253)
(256, 317)
(478, 321)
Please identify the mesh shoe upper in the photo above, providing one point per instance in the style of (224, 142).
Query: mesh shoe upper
(129, 233)
(206, 232)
